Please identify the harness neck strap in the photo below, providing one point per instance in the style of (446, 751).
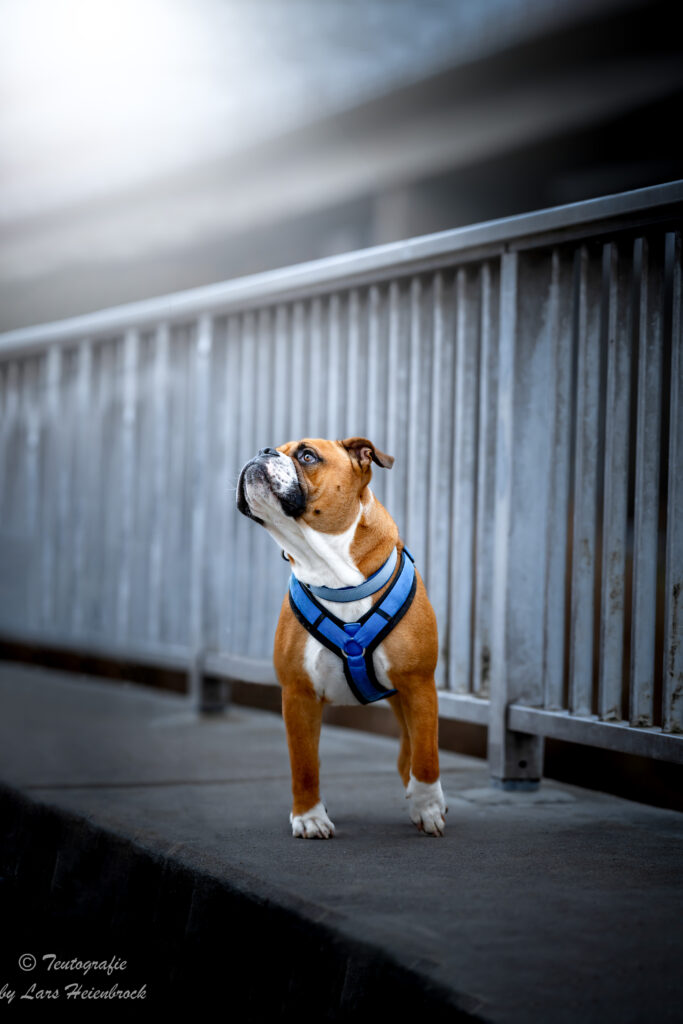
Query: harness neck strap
(369, 586)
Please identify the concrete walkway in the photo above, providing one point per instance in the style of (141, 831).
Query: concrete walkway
(129, 824)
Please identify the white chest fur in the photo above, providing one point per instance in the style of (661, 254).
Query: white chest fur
(325, 669)
(325, 560)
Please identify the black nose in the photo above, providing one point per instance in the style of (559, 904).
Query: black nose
(268, 451)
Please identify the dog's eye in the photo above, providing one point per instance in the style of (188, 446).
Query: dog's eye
(307, 456)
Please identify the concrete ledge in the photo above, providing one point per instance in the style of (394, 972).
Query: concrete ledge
(132, 827)
(190, 937)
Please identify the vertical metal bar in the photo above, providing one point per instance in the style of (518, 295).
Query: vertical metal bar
(464, 473)
(160, 402)
(373, 401)
(10, 415)
(393, 361)
(200, 449)
(82, 483)
(6, 416)
(128, 481)
(32, 442)
(533, 409)
(646, 509)
(277, 369)
(32, 453)
(240, 579)
(435, 478)
(220, 503)
(50, 524)
(97, 552)
(6, 402)
(3, 433)
(558, 478)
(246, 554)
(414, 523)
(485, 472)
(438, 507)
(497, 746)
(672, 717)
(141, 583)
(70, 492)
(244, 581)
(298, 407)
(281, 378)
(615, 499)
(10, 565)
(175, 606)
(515, 759)
(15, 566)
(335, 425)
(585, 488)
(64, 560)
(316, 424)
(353, 374)
(265, 564)
(234, 462)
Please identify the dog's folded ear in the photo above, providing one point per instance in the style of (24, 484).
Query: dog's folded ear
(365, 452)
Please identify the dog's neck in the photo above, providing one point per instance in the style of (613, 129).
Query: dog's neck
(339, 559)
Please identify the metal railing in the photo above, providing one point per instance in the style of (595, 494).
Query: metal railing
(526, 374)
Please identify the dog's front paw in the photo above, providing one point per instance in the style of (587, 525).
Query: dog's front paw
(427, 806)
(313, 824)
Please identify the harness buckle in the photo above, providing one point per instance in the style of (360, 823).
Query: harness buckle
(351, 647)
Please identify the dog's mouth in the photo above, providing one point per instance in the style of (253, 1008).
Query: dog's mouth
(264, 479)
(242, 503)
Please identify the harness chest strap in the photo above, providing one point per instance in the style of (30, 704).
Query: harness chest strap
(354, 642)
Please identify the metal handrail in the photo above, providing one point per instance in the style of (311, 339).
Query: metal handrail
(573, 220)
(538, 356)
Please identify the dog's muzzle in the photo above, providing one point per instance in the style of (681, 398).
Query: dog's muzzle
(270, 473)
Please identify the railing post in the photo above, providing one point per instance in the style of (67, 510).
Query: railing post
(486, 465)
(515, 759)
(464, 480)
(204, 697)
(82, 486)
(672, 717)
(49, 536)
(129, 459)
(646, 499)
(159, 482)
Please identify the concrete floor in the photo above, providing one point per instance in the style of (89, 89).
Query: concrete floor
(565, 904)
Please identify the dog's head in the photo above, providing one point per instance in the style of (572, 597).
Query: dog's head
(314, 481)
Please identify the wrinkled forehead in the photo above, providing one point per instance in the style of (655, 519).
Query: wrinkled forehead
(330, 451)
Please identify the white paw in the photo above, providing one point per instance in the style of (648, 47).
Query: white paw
(313, 824)
(427, 806)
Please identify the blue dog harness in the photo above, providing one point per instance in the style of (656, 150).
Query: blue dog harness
(354, 642)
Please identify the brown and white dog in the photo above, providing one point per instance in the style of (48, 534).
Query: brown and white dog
(313, 497)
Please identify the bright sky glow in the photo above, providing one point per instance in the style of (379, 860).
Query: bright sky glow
(96, 85)
(97, 96)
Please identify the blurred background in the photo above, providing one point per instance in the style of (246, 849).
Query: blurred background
(148, 146)
(152, 146)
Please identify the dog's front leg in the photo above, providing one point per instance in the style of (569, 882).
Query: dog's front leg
(302, 713)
